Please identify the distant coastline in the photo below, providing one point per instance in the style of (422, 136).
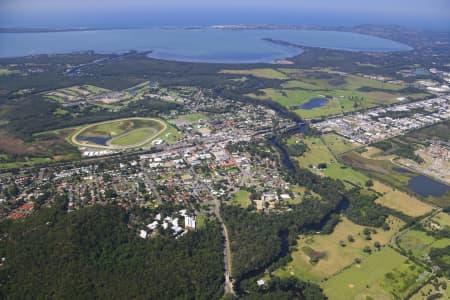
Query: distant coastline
(219, 27)
(43, 30)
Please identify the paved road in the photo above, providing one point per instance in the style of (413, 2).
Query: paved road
(226, 250)
(394, 239)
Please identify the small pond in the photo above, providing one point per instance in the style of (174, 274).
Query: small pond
(425, 186)
(93, 139)
(314, 103)
(402, 170)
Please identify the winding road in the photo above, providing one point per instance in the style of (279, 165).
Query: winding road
(226, 250)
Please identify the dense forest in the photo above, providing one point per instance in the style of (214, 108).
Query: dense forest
(441, 257)
(93, 254)
(35, 114)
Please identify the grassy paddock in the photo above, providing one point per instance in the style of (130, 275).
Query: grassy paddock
(420, 244)
(337, 257)
(339, 144)
(346, 93)
(262, 73)
(319, 153)
(443, 219)
(361, 279)
(401, 201)
(405, 279)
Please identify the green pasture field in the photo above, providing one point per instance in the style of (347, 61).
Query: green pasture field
(319, 153)
(339, 144)
(5, 72)
(403, 202)
(419, 243)
(194, 117)
(95, 89)
(348, 93)
(443, 219)
(336, 256)
(133, 137)
(27, 163)
(241, 198)
(405, 279)
(170, 135)
(262, 73)
(430, 289)
(361, 280)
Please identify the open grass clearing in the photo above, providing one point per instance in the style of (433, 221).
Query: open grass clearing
(430, 289)
(442, 218)
(405, 279)
(241, 198)
(420, 243)
(359, 280)
(401, 201)
(346, 93)
(170, 135)
(337, 257)
(319, 153)
(345, 173)
(5, 72)
(133, 137)
(194, 117)
(28, 162)
(261, 73)
(339, 144)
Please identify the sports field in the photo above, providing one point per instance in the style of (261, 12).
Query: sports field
(119, 134)
(194, 117)
(133, 137)
(241, 198)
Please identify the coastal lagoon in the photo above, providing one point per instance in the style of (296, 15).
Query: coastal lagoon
(192, 45)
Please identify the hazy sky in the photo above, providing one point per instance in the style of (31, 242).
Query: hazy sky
(417, 13)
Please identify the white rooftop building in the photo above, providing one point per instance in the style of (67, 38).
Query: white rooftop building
(189, 222)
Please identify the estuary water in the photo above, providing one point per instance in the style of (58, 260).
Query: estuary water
(192, 45)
